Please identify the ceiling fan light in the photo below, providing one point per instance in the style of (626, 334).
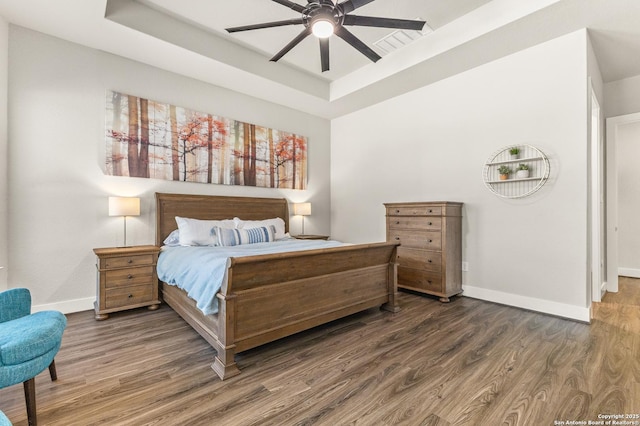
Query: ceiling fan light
(322, 28)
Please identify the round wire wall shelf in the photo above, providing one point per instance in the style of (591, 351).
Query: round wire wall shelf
(516, 185)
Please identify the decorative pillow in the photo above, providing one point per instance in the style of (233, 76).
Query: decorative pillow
(196, 232)
(233, 237)
(277, 222)
(173, 239)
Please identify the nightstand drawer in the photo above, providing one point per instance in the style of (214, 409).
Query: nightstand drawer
(129, 277)
(420, 259)
(311, 237)
(429, 224)
(126, 261)
(127, 296)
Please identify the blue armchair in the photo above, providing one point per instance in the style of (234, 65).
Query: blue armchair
(28, 343)
(4, 421)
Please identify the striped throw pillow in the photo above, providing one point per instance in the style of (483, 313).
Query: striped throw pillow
(235, 237)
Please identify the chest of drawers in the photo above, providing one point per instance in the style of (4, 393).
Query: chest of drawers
(430, 255)
(126, 279)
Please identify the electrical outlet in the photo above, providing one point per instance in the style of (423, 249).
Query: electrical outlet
(465, 266)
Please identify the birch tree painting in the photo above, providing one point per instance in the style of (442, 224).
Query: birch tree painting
(154, 140)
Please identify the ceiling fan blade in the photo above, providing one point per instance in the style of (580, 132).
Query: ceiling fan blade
(371, 21)
(354, 41)
(291, 44)
(266, 25)
(324, 53)
(351, 5)
(291, 5)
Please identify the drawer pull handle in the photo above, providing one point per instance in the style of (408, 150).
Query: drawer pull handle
(429, 260)
(430, 241)
(430, 223)
(429, 281)
(397, 211)
(129, 276)
(397, 238)
(130, 261)
(130, 296)
(397, 222)
(430, 211)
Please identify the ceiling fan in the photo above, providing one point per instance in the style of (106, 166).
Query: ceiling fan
(324, 18)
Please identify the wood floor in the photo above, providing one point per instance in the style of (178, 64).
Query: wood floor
(464, 363)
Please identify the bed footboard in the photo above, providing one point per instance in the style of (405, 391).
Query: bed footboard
(272, 296)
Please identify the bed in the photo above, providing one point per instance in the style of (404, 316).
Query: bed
(343, 280)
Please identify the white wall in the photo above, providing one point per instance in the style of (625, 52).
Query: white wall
(628, 152)
(622, 96)
(57, 190)
(431, 144)
(593, 71)
(4, 221)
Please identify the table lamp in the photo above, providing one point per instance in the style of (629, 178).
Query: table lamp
(124, 206)
(302, 209)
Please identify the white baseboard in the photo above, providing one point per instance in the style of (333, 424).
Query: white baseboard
(67, 306)
(539, 305)
(629, 272)
(530, 303)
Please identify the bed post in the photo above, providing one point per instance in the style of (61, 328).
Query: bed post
(224, 363)
(392, 282)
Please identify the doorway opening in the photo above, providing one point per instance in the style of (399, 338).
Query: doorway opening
(623, 248)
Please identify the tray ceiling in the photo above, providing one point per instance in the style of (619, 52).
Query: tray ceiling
(187, 37)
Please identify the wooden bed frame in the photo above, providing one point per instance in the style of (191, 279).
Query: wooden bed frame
(268, 297)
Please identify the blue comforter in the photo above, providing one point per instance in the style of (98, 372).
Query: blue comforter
(201, 271)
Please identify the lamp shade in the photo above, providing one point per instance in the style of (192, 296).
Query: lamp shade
(124, 206)
(302, 209)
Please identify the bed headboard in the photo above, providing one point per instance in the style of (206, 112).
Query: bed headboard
(214, 207)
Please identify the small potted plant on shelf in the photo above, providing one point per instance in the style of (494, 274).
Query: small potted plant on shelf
(522, 171)
(504, 172)
(514, 152)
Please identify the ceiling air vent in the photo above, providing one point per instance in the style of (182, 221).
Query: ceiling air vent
(399, 38)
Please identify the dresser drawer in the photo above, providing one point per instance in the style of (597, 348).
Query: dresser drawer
(129, 277)
(420, 259)
(431, 240)
(126, 296)
(416, 279)
(427, 224)
(414, 211)
(125, 261)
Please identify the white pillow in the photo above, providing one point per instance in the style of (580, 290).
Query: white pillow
(173, 239)
(196, 232)
(276, 221)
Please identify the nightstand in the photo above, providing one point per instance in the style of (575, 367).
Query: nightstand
(127, 279)
(311, 237)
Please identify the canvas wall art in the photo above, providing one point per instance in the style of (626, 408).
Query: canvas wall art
(151, 139)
